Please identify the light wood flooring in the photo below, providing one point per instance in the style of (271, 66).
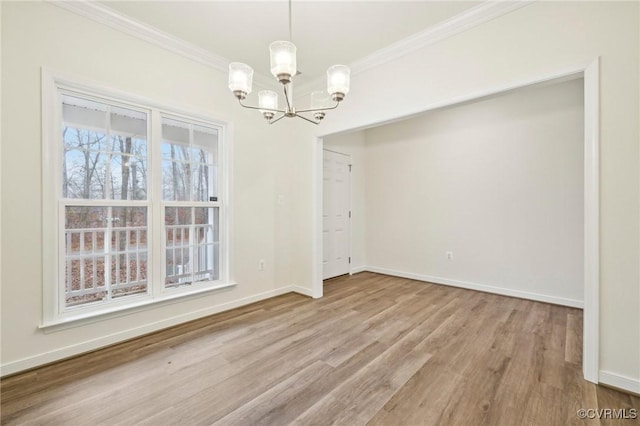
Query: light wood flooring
(375, 350)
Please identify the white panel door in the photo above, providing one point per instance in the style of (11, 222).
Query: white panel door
(336, 188)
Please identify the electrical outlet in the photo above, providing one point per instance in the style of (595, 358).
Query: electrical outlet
(261, 265)
(449, 255)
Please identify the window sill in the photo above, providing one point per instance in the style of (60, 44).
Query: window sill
(85, 318)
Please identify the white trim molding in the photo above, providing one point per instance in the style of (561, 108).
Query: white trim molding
(316, 267)
(484, 12)
(478, 15)
(302, 290)
(591, 318)
(538, 297)
(118, 21)
(619, 381)
(358, 269)
(105, 15)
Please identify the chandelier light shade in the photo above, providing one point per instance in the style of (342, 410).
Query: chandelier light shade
(240, 79)
(338, 79)
(268, 103)
(284, 68)
(283, 60)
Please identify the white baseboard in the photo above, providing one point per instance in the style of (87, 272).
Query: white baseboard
(100, 342)
(481, 287)
(619, 381)
(357, 269)
(302, 290)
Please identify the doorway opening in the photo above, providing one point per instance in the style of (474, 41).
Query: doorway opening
(590, 74)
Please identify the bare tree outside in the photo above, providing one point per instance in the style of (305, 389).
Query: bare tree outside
(191, 233)
(107, 204)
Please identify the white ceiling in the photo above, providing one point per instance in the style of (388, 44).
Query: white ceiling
(325, 32)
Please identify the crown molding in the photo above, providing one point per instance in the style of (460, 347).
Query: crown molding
(464, 21)
(480, 14)
(107, 16)
(118, 21)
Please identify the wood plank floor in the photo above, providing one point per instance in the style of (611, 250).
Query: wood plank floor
(375, 350)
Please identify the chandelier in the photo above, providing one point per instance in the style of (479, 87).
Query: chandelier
(283, 68)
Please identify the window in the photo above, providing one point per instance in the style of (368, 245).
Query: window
(141, 203)
(105, 160)
(189, 185)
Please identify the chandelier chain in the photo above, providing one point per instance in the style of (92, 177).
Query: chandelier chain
(290, 32)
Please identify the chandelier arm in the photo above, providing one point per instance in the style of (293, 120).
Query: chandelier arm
(286, 96)
(320, 109)
(261, 109)
(305, 118)
(277, 119)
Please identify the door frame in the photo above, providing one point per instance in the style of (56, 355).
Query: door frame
(590, 71)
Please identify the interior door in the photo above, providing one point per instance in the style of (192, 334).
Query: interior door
(336, 188)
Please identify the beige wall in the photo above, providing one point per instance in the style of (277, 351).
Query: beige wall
(36, 35)
(539, 39)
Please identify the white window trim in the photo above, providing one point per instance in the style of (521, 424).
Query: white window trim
(53, 316)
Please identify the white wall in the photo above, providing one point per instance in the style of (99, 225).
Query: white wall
(539, 39)
(36, 35)
(353, 144)
(497, 182)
